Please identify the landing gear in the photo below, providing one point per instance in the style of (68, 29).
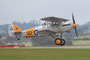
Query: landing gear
(18, 39)
(18, 35)
(60, 41)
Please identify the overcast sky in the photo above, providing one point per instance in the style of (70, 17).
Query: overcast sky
(25, 10)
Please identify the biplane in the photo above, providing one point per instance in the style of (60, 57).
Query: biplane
(53, 27)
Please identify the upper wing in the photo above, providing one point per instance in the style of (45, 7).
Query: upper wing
(54, 19)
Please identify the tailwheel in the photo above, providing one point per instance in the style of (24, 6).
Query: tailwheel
(60, 41)
(18, 39)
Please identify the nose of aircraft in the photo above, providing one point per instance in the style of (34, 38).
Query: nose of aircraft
(74, 25)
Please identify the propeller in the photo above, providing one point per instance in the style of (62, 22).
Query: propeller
(74, 25)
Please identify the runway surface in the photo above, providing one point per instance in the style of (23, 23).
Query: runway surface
(65, 47)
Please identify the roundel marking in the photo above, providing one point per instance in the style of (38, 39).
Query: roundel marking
(36, 32)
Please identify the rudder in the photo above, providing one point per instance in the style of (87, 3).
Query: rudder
(17, 28)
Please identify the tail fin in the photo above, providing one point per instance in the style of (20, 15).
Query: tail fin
(13, 29)
(17, 28)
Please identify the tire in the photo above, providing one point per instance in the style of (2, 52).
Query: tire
(18, 39)
(63, 42)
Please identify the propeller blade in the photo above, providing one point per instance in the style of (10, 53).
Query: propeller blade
(76, 31)
(73, 19)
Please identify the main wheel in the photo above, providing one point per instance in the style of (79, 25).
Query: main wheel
(58, 41)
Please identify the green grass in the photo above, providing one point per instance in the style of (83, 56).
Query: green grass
(44, 54)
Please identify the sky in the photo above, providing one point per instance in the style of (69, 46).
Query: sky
(26, 10)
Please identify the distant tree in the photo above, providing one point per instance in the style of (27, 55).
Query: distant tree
(24, 22)
(33, 21)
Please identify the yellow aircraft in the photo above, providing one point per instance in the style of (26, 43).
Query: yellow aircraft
(53, 26)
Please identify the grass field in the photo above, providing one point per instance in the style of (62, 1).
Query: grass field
(44, 54)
